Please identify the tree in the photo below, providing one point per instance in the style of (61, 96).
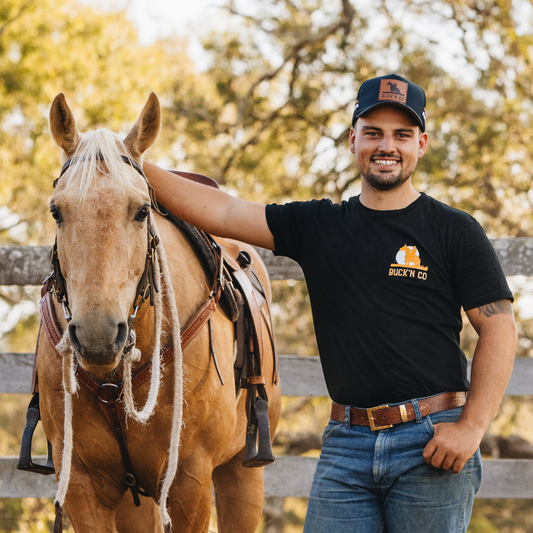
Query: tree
(63, 46)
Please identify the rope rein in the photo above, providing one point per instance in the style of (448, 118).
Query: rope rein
(177, 418)
(70, 385)
(133, 356)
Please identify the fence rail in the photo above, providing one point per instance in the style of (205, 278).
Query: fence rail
(300, 376)
(29, 265)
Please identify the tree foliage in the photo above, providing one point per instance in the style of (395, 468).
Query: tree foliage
(275, 107)
(47, 47)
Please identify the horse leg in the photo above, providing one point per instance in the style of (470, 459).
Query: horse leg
(132, 519)
(239, 494)
(189, 501)
(85, 509)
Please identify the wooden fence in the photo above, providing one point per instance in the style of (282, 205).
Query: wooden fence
(288, 476)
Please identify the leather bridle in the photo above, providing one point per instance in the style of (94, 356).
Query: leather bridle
(147, 284)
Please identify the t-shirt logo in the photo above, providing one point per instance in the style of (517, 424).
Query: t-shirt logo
(407, 263)
(393, 90)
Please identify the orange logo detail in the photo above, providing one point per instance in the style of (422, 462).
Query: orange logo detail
(393, 90)
(407, 262)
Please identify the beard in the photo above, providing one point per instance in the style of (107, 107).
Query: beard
(385, 181)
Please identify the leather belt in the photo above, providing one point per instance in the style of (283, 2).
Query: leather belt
(383, 416)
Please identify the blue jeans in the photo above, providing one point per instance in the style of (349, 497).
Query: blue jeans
(377, 482)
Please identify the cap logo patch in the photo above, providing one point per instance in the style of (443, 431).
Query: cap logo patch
(393, 90)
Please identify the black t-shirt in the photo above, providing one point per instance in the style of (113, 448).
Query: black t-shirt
(386, 290)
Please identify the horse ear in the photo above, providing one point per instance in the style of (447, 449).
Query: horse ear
(146, 130)
(63, 126)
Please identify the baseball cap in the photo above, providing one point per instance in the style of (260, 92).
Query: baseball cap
(391, 90)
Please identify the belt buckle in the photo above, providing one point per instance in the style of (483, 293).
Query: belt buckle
(370, 411)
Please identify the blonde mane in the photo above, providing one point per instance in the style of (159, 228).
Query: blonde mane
(99, 153)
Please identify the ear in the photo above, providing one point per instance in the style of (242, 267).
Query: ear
(63, 126)
(145, 131)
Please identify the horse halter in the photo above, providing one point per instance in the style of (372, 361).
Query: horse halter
(147, 284)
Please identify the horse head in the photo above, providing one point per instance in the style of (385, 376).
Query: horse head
(101, 207)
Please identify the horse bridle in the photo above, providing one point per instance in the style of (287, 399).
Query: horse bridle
(147, 284)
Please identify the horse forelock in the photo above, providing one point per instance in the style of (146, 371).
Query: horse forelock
(98, 155)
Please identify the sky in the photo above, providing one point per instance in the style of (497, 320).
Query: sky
(158, 18)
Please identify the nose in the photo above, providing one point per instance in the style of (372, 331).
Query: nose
(387, 143)
(98, 342)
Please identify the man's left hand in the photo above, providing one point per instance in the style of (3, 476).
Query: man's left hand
(452, 445)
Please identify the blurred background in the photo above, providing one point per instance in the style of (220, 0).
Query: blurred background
(259, 94)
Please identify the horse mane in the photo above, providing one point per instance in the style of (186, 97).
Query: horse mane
(99, 153)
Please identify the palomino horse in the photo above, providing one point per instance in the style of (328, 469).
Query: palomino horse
(102, 207)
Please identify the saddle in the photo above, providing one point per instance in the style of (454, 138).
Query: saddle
(239, 289)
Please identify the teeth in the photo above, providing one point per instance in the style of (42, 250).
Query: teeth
(386, 162)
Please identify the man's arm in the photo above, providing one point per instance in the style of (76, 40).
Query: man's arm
(454, 443)
(210, 209)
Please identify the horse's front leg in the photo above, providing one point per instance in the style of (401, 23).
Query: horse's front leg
(189, 501)
(91, 500)
(132, 519)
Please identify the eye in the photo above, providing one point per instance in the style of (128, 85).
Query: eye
(143, 213)
(55, 214)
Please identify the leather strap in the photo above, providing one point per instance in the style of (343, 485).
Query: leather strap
(34, 380)
(109, 396)
(381, 417)
(49, 321)
(249, 295)
(197, 321)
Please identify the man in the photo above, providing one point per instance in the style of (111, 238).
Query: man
(388, 272)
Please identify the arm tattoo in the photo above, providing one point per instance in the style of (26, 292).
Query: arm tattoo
(497, 308)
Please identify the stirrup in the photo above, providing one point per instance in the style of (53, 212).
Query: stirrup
(33, 415)
(254, 457)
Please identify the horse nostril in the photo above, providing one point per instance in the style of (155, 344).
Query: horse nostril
(121, 336)
(74, 338)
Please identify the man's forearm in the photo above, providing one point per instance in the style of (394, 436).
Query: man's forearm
(195, 203)
(492, 363)
(454, 443)
(210, 209)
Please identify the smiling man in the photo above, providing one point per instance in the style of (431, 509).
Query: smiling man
(388, 272)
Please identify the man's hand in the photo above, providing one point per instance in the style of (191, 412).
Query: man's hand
(452, 445)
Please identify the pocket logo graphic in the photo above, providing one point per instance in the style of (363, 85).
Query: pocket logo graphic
(408, 263)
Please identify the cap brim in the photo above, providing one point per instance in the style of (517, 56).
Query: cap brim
(394, 104)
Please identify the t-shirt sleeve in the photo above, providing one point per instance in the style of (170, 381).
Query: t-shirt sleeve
(478, 275)
(288, 224)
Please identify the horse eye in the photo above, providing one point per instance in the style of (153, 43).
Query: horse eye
(55, 214)
(142, 214)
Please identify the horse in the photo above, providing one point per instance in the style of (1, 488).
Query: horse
(190, 435)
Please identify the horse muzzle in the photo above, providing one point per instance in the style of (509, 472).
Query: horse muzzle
(98, 343)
